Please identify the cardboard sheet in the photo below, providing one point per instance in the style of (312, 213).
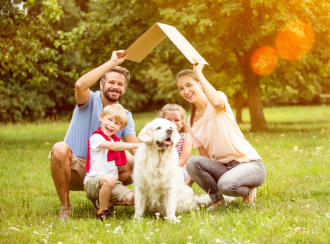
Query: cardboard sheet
(155, 35)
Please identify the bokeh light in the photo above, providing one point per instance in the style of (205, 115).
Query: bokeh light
(295, 41)
(264, 60)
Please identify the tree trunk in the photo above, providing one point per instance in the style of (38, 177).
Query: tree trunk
(258, 121)
(239, 104)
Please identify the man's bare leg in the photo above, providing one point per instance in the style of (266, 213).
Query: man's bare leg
(61, 171)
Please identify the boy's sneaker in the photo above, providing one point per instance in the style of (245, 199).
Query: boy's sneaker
(251, 198)
(104, 215)
(95, 203)
(64, 213)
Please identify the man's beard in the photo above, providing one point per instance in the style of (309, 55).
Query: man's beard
(109, 97)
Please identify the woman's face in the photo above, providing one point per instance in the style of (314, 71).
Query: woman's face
(189, 88)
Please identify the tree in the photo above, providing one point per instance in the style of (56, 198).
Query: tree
(227, 33)
(27, 42)
(240, 28)
(34, 74)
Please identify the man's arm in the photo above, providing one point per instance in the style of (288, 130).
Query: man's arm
(82, 85)
(131, 139)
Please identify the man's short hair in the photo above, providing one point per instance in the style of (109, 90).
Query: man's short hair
(117, 112)
(120, 70)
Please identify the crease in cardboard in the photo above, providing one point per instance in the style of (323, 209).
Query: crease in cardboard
(155, 35)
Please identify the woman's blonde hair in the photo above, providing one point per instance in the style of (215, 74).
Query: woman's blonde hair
(175, 107)
(191, 73)
(117, 112)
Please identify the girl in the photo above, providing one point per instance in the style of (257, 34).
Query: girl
(236, 168)
(176, 114)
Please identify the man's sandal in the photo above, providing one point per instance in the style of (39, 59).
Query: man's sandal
(64, 213)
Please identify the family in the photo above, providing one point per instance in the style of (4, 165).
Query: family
(93, 158)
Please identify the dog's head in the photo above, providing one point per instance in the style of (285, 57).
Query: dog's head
(161, 133)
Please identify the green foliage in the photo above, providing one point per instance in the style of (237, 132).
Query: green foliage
(26, 42)
(21, 101)
(225, 32)
(242, 26)
(37, 61)
(48, 43)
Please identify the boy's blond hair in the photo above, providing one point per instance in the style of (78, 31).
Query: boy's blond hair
(117, 112)
(175, 107)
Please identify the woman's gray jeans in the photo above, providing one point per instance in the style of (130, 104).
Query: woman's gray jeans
(232, 179)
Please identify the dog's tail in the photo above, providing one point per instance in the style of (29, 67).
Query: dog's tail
(203, 199)
(229, 199)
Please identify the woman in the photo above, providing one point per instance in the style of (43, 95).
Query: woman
(237, 169)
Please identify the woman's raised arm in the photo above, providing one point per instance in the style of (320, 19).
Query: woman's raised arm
(212, 95)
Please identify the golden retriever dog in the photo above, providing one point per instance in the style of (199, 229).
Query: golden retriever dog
(159, 182)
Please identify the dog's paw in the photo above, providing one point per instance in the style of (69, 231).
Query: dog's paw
(173, 218)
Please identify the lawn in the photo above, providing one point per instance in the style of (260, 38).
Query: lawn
(293, 205)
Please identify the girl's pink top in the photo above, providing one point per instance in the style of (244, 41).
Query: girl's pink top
(179, 145)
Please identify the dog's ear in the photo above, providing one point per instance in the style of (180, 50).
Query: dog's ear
(145, 134)
(176, 137)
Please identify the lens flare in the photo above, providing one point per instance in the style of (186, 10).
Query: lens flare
(264, 60)
(295, 41)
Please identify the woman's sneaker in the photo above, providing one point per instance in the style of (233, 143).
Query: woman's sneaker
(251, 198)
(104, 215)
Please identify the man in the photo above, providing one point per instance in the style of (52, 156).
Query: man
(68, 158)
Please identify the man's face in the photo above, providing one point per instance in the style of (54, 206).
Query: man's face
(114, 87)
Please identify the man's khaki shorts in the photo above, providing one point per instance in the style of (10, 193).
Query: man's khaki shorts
(92, 188)
(78, 172)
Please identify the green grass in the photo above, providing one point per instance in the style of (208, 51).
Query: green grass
(292, 205)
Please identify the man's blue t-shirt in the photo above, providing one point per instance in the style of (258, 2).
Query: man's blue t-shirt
(84, 122)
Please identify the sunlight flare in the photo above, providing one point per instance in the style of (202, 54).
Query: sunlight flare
(264, 60)
(295, 41)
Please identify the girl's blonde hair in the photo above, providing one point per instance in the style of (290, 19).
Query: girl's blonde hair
(117, 112)
(175, 107)
(190, 73)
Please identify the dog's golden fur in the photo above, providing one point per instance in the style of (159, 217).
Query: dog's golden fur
(159, 183)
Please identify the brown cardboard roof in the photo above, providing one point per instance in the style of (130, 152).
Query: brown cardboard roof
(155, 35)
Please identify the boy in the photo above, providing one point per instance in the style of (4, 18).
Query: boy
(106, 152)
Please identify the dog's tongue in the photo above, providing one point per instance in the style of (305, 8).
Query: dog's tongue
(167, 142)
